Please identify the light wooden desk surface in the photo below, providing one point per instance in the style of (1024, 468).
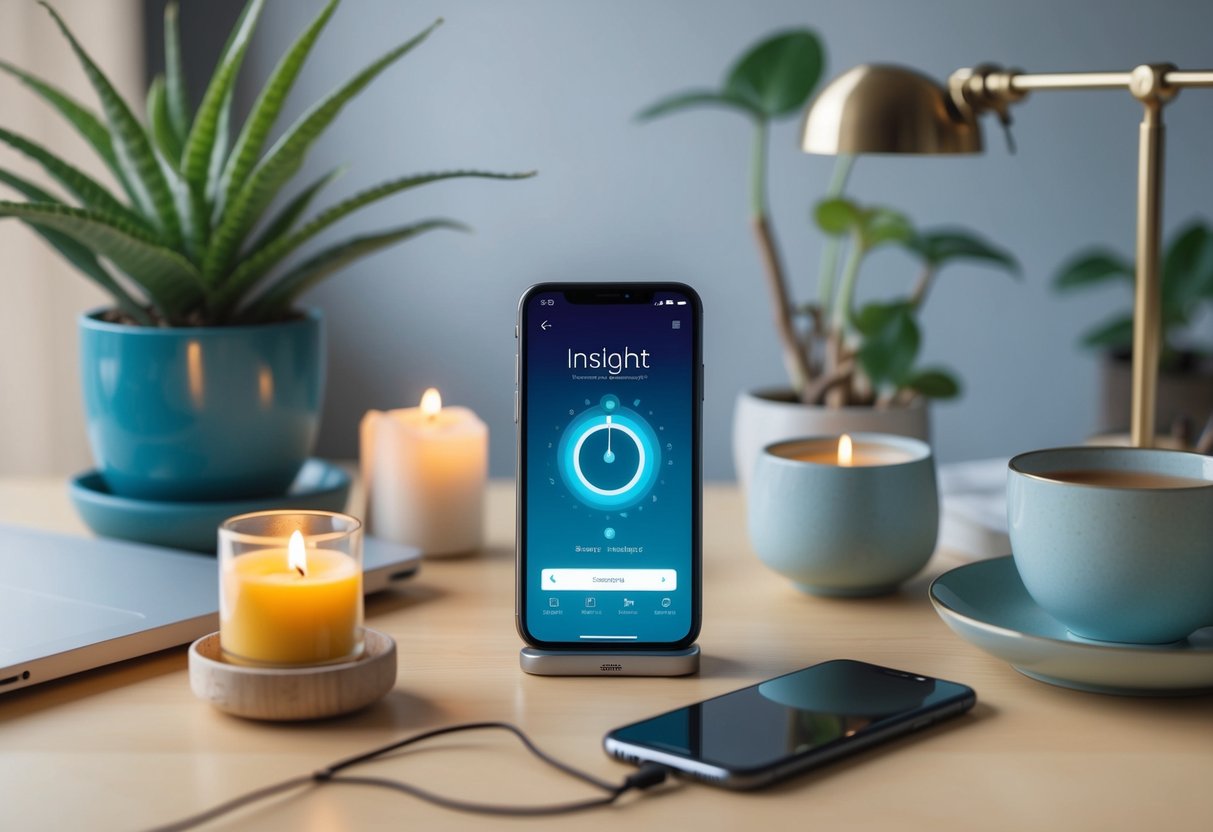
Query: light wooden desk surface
(128, 746)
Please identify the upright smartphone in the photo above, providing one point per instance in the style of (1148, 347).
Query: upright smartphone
(757, 735)
(610, 385)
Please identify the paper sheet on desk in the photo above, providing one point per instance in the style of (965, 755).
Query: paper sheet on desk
(973, 503)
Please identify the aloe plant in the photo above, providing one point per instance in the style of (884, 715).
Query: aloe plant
(191, 233)
(834, 351)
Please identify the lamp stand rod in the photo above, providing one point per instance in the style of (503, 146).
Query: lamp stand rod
(991, 88)
(1147, 287)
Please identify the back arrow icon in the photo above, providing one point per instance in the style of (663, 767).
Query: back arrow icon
(545, 326)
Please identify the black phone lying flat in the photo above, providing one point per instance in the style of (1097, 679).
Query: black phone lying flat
(758, 735)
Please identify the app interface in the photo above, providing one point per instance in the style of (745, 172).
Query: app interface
(609, 447)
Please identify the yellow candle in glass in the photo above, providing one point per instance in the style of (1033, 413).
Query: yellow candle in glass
(296, 605)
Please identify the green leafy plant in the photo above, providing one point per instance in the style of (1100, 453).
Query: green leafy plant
(835, 352)
(183, 238)
(1187, 291)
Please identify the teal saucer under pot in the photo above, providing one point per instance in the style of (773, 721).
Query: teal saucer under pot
(319, 486)
(201, 413)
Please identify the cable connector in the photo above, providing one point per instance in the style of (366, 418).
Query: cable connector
(648, 776)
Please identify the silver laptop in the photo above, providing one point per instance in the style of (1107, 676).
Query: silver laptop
(69, 604)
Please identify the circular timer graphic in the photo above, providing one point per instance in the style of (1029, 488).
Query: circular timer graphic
(609, 456)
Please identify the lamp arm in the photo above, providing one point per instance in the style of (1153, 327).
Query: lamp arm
(1025, 82)
(990, 88)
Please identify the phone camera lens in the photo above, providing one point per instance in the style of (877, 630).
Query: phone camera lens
(627, 294)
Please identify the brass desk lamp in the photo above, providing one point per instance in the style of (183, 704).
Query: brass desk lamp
(892, 109)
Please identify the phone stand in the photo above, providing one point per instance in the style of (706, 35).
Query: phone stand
(604, 663)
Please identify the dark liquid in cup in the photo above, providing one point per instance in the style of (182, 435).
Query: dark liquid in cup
(1125, 479)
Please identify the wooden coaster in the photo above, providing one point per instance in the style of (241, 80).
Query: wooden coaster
(293, 693)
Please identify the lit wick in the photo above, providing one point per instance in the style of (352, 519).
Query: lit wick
(296, 554)
(431, 404)
(845, 451)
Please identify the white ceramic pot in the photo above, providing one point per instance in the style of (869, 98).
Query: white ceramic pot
(761, 417)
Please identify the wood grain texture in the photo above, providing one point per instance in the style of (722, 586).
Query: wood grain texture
(134, 748)
(290, 694)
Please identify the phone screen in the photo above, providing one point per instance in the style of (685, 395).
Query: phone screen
(784, 723)
(609, 465)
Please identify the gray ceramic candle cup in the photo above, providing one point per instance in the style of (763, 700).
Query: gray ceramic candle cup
(1115, 562)
(843, 531)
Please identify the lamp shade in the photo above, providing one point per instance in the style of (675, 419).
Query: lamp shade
(877, 108)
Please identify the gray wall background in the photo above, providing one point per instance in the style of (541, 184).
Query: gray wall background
(554, 85)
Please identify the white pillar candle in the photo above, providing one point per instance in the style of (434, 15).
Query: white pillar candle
(424, 471)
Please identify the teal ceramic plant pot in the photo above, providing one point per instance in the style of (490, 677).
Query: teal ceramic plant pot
(201, 413)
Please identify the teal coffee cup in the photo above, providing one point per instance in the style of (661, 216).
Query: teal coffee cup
(1115, 543)
(845, 530)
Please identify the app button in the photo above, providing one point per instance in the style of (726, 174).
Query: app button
(610, 580)
(665, 602)
(628, 602)
(553, 602)
(591, 601)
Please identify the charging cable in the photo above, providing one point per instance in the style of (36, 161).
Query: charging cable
(646, 777)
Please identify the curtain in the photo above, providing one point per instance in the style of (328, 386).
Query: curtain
(41, 416)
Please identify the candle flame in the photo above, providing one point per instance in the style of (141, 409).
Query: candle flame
(845, 451)
(431, 402)
(296, 553)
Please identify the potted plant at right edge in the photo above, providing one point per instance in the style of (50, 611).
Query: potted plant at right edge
(1185, 379)
(850, 367)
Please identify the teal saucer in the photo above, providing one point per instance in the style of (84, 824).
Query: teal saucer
(985, 603)
(179, 525)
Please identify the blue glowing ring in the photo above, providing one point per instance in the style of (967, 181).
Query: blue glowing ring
(626, 431)
(631, 425)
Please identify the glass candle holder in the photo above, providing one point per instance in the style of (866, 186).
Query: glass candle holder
(290, 588)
